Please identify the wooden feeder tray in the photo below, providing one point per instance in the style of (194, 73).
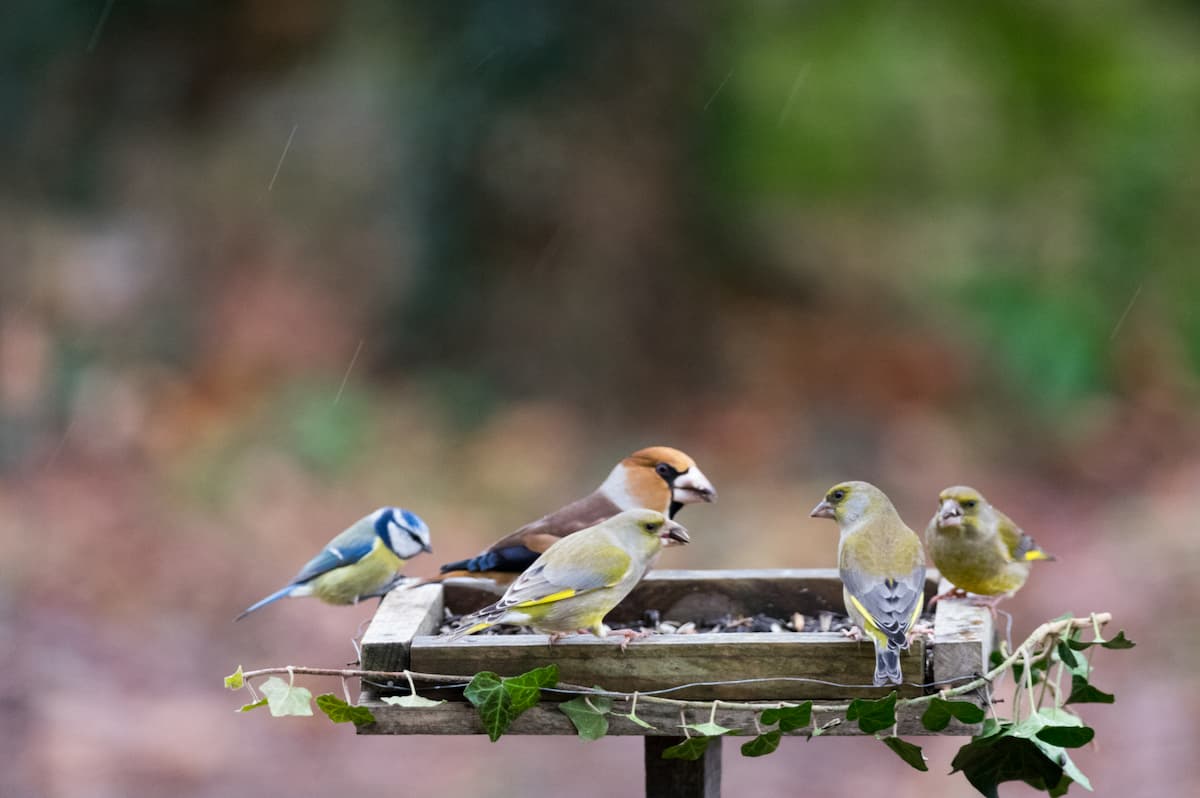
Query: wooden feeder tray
(402, 635)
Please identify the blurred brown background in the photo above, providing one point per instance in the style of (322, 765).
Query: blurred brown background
(269, 265)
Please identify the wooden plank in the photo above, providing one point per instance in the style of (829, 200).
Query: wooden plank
(670, 660)
(963, 638)
(680, 778)
(402, 615)
(458, 717)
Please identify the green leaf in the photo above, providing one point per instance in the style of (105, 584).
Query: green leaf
(1067, 736)
(1119, 642)
(341, 712)
(587, 715)
(284, 699)
(990, 761)
(789, 718)
(1084, 693)
(411, 701)
(708, 729)
(633, 717)
(940, 711)
(907, 751)
(262, 702)
(526, 689)
(873, 716)
(690, 749)
(763, 744)
(234, 681)
(1067, 655)
(501, 701)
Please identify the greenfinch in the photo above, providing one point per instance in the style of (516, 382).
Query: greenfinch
(882, 566)
(978, 548)
(579, 579)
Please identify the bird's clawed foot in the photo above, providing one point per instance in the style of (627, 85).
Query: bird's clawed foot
(854, 633)
(630, 635)
(922, 630)
(953, 592)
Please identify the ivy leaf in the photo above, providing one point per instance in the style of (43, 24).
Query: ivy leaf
(789, 718)
(873, 716)
(526, 689)
(708, 729)
(262, 702)
(1067, 655)
(588, 718)
(1084, 693)
(235, 681)
(284, 699)
(690, 749)
(1067, 736)
(341, 712)
(763, 744)
(1063, 729)
(940, 711)
(1119, 642)
(907, 751)
(411, 701)
(633, 717)
(990, 761)
(501, 701)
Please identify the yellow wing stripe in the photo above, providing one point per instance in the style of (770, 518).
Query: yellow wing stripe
(479, 627)
(872, 629)
(553, 597)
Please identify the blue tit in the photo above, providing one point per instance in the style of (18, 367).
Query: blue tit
(359, 563)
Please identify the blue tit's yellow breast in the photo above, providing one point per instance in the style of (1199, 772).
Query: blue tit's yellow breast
(347, 584)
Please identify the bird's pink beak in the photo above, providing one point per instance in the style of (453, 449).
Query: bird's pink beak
(950, 514)
(823, 510)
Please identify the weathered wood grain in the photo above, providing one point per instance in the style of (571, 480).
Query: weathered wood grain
(402, 615)
(963, 637)
(669, 660)
(457, 717)
(680, 778)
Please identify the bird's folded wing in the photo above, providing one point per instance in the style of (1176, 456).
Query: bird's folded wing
(892, 604)
(339, 552)
(596, 565)
(1019, 546)
(539, 535)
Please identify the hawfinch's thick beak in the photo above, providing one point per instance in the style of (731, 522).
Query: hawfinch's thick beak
(673, 533)
(823, 510)
(950, 514)
(692, 486)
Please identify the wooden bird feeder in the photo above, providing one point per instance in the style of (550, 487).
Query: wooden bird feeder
(402, 635)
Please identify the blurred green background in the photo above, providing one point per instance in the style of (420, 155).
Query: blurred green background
(268, 265)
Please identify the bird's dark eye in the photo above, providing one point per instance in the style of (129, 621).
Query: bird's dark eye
(663, 470)
(651, 526)
(838, 495)
(969, 504)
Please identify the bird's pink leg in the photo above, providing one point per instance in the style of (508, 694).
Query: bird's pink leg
(629, 636)
(854, 633)
(953, 592)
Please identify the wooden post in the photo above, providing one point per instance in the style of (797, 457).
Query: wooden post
(680, 778)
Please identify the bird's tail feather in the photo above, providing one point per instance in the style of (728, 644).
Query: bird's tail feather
(278, 594)
(476, 622)
(887, 666)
